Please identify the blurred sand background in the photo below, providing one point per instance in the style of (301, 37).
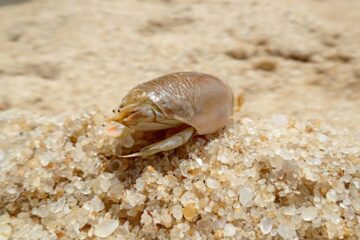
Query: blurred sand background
(300, 58)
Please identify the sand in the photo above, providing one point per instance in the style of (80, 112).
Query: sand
(64, 65)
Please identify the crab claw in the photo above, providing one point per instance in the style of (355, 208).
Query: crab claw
(114, 129)
(120, 131)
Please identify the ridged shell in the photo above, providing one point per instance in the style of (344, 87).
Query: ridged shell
(197, 99)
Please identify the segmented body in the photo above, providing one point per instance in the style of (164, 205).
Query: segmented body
(196, 99)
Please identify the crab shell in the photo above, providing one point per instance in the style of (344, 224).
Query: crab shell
(196, 99)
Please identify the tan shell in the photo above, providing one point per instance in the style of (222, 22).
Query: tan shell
(197, 99)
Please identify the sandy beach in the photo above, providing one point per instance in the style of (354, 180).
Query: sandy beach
(286, 167)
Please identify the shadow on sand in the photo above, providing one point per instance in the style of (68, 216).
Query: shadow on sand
(4, 3)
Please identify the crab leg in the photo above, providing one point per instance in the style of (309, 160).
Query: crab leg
(166, 144)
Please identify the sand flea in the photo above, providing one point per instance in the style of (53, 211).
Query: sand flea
(188, 102)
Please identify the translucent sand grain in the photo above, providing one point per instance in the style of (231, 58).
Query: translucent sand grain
(60, 179)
